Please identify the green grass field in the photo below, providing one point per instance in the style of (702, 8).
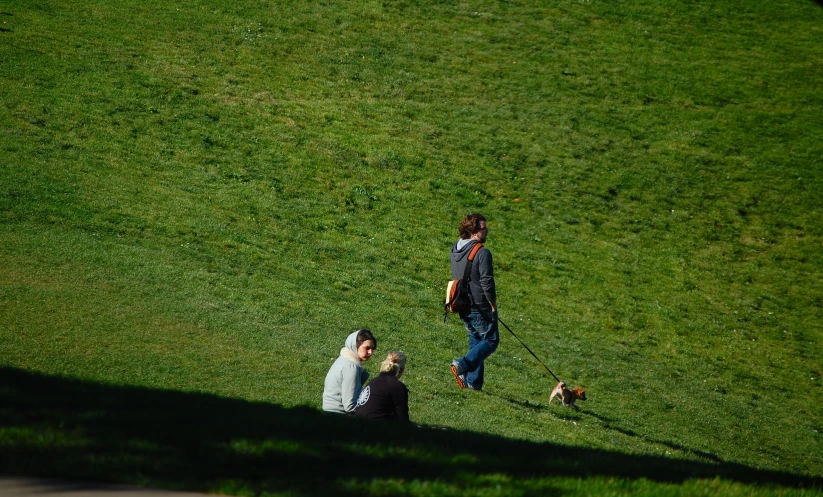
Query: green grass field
(199, 201)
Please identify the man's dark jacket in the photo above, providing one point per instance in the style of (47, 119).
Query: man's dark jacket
(481, 277)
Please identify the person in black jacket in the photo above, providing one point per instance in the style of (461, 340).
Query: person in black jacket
(481, 320)
(385, 397)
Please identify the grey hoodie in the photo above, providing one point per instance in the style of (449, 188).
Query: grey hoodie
(481, 278)
(344, 380)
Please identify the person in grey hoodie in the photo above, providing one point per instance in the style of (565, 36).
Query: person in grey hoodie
(481, 319)
(346, 377)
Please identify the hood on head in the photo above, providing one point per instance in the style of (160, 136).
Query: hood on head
(351, 342)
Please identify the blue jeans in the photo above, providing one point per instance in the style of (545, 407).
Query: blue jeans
(483, 340)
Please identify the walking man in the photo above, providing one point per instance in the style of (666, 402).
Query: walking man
(481, 318)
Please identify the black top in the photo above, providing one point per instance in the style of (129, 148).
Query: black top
(385, 397)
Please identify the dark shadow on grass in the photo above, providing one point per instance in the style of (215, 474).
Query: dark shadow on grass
(61, 427)
(526, 404)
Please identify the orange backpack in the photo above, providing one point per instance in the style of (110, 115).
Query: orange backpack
(457, 292)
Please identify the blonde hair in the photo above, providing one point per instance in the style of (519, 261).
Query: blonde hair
(395, 364)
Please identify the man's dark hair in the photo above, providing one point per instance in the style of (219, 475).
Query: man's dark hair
(470, 225)
(363, 335)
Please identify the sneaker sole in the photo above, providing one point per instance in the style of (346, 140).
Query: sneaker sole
(460, 382)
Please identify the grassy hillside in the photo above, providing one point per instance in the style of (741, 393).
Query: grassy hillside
(198, 202)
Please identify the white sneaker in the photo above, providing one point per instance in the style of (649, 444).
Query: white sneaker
(459, 375)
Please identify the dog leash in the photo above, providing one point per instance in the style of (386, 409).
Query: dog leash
(527, 348)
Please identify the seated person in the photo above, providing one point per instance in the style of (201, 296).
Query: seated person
(385, 397)
(346, 376)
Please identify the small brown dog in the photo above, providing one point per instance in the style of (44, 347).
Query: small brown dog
(568, 397)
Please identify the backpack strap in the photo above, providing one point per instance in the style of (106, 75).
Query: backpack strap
(475, 249)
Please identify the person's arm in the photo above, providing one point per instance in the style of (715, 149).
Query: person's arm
(350, 388)
(401, 403)
(486, 270)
